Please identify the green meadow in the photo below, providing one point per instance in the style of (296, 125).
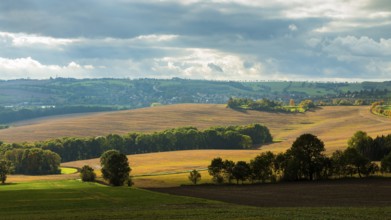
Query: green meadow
(68, 170)
(72, 199)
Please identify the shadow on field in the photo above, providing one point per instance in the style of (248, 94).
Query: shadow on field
(7, 184)
(330, 193)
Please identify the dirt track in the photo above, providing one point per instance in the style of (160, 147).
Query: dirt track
(332, 193)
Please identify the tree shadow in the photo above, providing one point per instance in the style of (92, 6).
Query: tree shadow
(8, 184)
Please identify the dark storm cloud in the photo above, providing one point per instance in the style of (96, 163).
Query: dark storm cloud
(119, 19)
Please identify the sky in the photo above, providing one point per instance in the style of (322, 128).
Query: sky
(317, 40)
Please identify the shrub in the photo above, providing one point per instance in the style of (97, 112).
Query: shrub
(87, 174)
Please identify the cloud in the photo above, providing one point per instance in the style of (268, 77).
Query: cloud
(350, 48)
(292, 27)
(154, 37)
(367, 58)
(211, 39)
(210, 64)
(30, 68)
(26, 40)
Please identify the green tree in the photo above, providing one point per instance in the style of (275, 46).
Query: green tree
(215, 169)
(381, 146)
(115, 141)
(34, 161)
(228, 167)
(115, 167)
(194, 176)
(356, 162)
(235, 140)
(259, 134)
(307, 154)
(5, 169)
(87, 174)
(262, 167)
(362, 143)
(241, 171)
(386, 164)
(279, 163)
(307, 104)
(339, 163)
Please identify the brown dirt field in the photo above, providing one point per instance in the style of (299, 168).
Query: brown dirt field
(332, 193)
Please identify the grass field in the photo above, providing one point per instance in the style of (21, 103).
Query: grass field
(68, 170)
(73, 199)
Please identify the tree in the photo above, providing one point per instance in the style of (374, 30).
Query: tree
(87, 174)
(115, 141)
(259, 134)
(362, 143)
(291, 102)
(339, 163)
(386, 164)
(356, 162)
(215, 169)
(280, 163)
(241, 171)
(228, 166)
(307, 104)
(34, 161)
(262, 167)
(307, 153)
(5, 169)
(194, 176)
(235, 140)
(115, 167)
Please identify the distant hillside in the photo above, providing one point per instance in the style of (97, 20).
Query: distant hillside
(143, 92)
(26, 99)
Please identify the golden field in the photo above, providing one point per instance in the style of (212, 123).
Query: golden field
(334, 125)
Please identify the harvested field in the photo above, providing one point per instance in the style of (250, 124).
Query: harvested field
(333, 124)
(331, 193)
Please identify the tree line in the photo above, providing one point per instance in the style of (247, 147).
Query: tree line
(32, 161)
(306, 160)
(381, 109)
(269, 105)
(185, 138)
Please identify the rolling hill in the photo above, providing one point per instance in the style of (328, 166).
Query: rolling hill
(27, 99)
(333, 124)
